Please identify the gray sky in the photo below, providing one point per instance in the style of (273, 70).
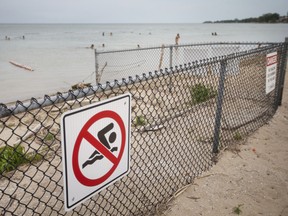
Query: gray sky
(134, 11)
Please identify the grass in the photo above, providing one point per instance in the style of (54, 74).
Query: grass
(13, 157)
(200, 93)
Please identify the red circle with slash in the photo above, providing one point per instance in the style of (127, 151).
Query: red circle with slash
(85, 134)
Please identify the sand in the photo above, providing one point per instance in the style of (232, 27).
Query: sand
(238, 179)
(249, 179)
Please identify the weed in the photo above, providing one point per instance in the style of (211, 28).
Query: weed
(237, 210)
(49, 137)
(34, 157)
(200, 93)
(11, 157)
(140, 120)
(237, 136)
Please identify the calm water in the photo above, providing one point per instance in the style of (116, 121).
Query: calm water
(59, 55)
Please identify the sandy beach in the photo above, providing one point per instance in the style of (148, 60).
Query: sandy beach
(250, 178)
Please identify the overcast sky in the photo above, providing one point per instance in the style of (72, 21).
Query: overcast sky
(134, 11)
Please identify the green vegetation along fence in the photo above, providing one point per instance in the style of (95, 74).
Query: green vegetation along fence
(181, 118)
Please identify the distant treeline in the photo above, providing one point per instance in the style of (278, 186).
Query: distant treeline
(265, 18)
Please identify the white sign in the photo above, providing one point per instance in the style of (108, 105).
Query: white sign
(95, 147)
(271, 71)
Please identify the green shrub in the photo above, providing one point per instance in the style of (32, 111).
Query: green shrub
(11, 157)
(237, 136)
(237, 210)
(140, 120)
(200, 93)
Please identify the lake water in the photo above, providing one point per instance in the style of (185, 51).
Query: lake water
(60, 54)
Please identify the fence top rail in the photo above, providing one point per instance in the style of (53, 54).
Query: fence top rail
(187, 45)
(34, 103)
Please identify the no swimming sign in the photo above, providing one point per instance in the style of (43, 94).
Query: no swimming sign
(95, 147)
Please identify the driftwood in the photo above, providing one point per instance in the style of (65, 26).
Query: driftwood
(80, 85)
(21, 66)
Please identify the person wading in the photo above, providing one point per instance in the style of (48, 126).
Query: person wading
(177, 39)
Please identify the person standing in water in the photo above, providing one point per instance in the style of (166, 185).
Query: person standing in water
(177, 39)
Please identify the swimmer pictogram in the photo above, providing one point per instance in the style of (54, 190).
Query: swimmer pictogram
(102, 147)
(101, 136)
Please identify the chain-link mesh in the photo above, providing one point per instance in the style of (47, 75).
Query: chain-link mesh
(180, 118)
(111, 65)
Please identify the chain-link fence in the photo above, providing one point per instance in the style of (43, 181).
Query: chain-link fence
(111, 65)
(181, 117)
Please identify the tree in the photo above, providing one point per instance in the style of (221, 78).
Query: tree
(269, 17)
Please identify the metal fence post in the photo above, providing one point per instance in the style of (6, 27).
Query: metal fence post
(97, 68)
(223, 64)
(170, 65)
(171, 56)
(283, 65)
